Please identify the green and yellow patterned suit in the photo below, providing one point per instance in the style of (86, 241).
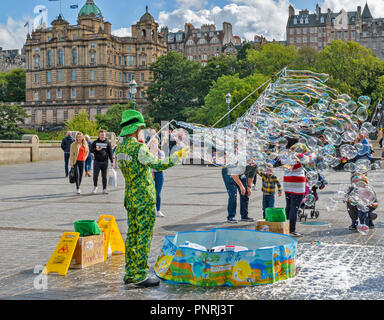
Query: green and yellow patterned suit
(135, 162)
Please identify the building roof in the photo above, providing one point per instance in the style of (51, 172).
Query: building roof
(366, 12)
(89, 9)
(315, 21)
(147, 16)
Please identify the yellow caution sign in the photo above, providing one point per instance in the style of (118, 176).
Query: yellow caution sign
(107, 225)
(62, 256)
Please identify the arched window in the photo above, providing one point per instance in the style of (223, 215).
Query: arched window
(49, 58)
(144, 33)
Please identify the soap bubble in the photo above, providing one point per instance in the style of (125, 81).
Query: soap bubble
(364, 100)
(348, 151)
(362, 113)
(309, 200)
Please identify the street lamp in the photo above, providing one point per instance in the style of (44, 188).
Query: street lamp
(133, 86)
(228, 98)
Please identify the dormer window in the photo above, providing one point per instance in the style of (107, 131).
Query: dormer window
(322, 19)
(306, 20)
(301, 20)
(295, 21)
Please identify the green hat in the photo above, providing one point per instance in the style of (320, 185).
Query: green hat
(130, 121)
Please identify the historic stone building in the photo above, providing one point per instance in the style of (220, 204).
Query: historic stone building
(84, 66)
(319, 29)
(200, 44)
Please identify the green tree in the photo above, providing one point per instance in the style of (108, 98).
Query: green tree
(12, 86)
(112, 118)
(271, 58)
(306, 59)
(353, 69)
(215, 68)
(10, 119)
(173, 87)
(215, 104)
(81, 122)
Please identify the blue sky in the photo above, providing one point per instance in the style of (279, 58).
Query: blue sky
(248, 17)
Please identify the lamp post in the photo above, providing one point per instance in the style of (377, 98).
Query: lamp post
(228, 98)
(133, 86)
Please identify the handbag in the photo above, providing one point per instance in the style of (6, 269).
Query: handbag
(72, 175)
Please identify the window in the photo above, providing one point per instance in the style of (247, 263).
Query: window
(304, 40)
(142, 76)
(301, 20)
(124, 77)
(120, 77)
(60, 54)
(92, 45)
(298, 40)
(306, 20)
(345, 35)
(143, 61)
(121, 94)
(36, 78)
(91, 92)
(298, 31)
(128, 48)
(36, 50)
(49, 76)
(74, 75)
(202, 41)
(110, 74)
(143, 94)
(73, 93)
(92, 58)
(322, 20)
(59, 93)
(74, 56)
(338, 34)
(114, 59)
(374, 45)
(295, 21)
(74, 36)
(179, 37)
(49, 58)
(291, 31)
(36, 62)
(48, 94)
(36, 95)
(304, 30)
(190, 42)
(110, 92)
(119, 60)
(133, 76)
(59, 75)
(92, 75)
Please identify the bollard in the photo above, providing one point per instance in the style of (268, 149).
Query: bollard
(34, 141)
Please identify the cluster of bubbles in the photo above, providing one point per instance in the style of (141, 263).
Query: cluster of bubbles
(297, 105)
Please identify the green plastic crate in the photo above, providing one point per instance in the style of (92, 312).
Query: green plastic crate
(275, 215)
(87, 228)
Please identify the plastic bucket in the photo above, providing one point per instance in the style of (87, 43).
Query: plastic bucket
(275, 215)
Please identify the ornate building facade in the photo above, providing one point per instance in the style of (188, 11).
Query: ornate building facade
(84, 66)
(200, 44)
(319, 29)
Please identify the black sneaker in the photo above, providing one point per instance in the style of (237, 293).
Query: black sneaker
(371, 225)
(296, 234)
(149, 282)
(247, 219)
(231, 220)
(352, 227)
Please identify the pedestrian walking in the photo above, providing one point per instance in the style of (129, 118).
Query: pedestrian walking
(102, 150)
(66, 146)
(78, 154)
(136, 160)
(88, 162)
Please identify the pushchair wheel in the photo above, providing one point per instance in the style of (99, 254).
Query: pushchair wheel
(312, 214)
(317, 213)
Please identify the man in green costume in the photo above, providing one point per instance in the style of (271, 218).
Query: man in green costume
(135, 162)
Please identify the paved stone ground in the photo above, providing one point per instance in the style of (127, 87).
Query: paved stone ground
(38, 204)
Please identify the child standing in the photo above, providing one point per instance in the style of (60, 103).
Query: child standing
(269, 180)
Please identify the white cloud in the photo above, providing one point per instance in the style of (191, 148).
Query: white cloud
(13, 34)
(248, 17)
(375, 6)
(122, 32)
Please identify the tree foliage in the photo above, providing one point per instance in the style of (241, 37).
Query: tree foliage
(82, 123)
(111, 120)
(10, 119)
(12, 86)
(173, 87)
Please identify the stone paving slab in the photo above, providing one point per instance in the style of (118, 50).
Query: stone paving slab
(38, 204)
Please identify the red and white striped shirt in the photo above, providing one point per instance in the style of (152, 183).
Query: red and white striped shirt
(294, 177)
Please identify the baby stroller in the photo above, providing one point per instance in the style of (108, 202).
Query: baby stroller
(311, 205)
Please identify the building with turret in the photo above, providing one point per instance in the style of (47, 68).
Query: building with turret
(319, 29)
(84, 66)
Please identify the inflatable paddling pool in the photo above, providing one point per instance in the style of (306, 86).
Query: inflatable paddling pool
(229, 257)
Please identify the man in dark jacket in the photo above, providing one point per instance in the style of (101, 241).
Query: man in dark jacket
(66, 146)
(102, 150)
